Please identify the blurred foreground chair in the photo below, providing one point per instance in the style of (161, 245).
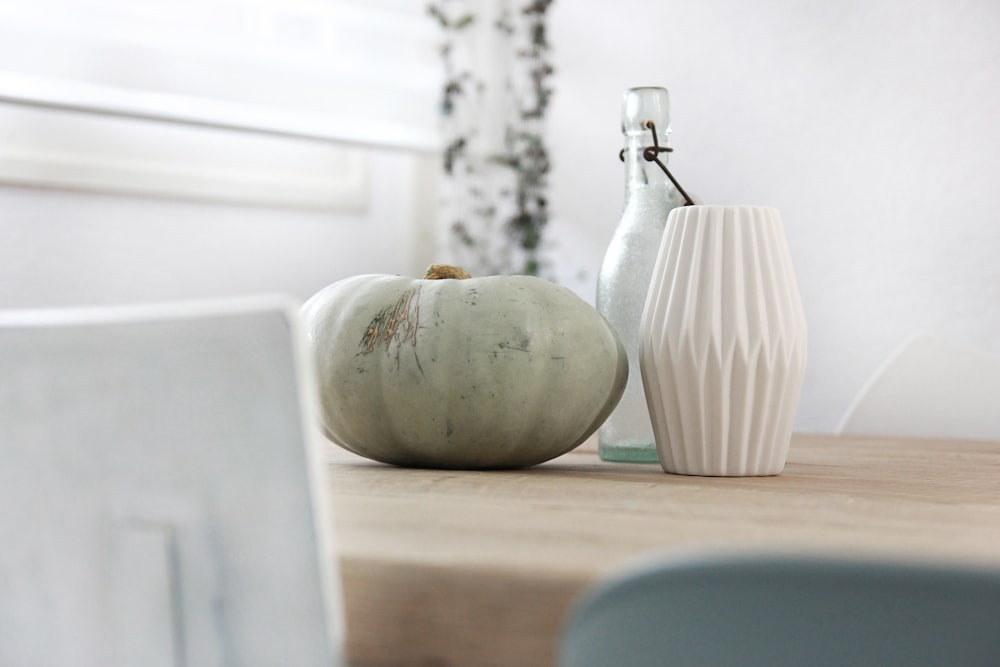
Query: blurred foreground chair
(930, 387)
(786, 611)
(161, 498)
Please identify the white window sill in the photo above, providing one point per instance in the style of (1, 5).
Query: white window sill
(114, 155)
(75, 96)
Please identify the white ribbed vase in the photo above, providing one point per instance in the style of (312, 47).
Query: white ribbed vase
(723, 342)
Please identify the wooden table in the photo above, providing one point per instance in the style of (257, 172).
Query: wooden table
(478, 569)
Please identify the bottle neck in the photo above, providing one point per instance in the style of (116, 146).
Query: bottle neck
(641, 174)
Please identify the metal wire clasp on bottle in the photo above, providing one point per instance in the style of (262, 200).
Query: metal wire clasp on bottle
(652, 154)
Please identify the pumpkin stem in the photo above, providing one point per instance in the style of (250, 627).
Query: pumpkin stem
(445, 271)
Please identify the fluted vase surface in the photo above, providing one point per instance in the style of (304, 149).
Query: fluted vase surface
(723, 342)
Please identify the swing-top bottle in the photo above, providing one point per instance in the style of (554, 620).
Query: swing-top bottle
(627, 268)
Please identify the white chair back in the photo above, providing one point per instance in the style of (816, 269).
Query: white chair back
(930, 387)
(161, 496)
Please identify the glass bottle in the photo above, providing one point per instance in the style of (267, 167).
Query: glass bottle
(627, 435)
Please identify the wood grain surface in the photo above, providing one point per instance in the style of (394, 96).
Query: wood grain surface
(478, 569)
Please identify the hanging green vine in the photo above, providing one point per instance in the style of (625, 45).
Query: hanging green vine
(524, 204)
(456, 81)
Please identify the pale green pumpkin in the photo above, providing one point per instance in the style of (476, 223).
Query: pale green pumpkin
(495, 372)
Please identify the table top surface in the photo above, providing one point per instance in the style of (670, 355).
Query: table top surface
(480, 568)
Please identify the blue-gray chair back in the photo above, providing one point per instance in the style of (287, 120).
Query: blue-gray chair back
(786, 610)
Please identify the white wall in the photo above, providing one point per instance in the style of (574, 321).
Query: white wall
(64, 248)
(873, 125)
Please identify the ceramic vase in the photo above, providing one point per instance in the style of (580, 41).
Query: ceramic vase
(723, 342)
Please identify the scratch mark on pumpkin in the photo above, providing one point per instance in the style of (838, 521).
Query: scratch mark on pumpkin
(394, 326)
